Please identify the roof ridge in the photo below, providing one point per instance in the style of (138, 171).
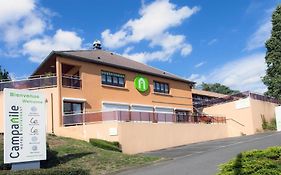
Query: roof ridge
(146, 64)
(158, 71)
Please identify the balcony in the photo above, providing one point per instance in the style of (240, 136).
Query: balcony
(41, 81)
(71, 81)
(131, 116)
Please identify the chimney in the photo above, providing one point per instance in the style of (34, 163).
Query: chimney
(96, 45)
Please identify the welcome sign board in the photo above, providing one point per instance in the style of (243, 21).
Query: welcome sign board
(24, 126)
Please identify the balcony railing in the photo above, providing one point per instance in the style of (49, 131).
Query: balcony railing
(31, 82)
(71, 81)
(42, 81)
(131, 116)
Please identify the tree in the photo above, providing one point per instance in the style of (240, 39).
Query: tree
(272, 79)
(4, 75)
(218, 88)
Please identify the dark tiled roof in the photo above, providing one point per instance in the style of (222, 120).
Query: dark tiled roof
(115, 60)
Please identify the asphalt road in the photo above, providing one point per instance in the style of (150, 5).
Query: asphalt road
(203, 158)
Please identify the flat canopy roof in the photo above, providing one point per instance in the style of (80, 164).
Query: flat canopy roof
(208, 93)
(113, 60)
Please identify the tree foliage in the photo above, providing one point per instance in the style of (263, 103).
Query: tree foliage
(218, 88)
(272, 79)
(4, 75)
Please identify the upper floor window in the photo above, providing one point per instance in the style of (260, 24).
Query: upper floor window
(161, 87)
(114, 79)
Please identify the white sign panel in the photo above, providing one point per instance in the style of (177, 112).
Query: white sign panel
(113, 132)
(244, 103)
(278, 117)
(24, 126)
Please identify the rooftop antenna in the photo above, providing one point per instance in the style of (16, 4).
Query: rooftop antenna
(97, 45)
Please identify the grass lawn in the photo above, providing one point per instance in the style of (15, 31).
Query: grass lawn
(67, 153)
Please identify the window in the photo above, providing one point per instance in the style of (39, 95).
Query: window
(72, 107)
(161, 87)
(182, 116)
(114, 79)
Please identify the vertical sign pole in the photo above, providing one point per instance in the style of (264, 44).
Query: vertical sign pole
(26, 165)
(278, 117)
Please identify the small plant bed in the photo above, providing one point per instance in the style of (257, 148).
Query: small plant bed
(255, 162)
(268, 126)
(68, 156)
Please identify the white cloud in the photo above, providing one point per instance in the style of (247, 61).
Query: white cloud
(39, 48)
(200, 64)
(213, 41)
(149, 56)
(23, 23)
(153, 24)
(21, 20)
(242, 74)
(259, 37)
(257, 40)
(14, 10)
(197, 78)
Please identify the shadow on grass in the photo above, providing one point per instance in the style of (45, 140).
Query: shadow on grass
(53, 159)
(238, 164)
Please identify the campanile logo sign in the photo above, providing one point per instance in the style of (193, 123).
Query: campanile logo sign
(24, 126)
(141, 83)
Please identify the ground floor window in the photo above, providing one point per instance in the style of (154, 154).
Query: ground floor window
(72, 107)
(182, 116)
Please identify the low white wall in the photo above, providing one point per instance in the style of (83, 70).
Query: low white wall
(278, 117)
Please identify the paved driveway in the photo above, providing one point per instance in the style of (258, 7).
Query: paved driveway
(203, 158)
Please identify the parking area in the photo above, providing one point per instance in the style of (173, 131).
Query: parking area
(205, 157)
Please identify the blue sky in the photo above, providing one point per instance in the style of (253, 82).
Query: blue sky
(209, 41)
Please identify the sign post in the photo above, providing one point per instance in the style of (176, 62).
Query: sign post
(24, 129)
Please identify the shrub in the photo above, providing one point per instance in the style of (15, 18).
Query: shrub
(268, 125)
(53, 171)
(258, 162)
(103, 144)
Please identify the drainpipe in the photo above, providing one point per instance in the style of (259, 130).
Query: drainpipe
(130, 113)
(52, 113)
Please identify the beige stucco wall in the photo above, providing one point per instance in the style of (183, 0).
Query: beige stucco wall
(262, 108)
(246, 120)
(94, 92)
(94, 130)
(239, 121)
(141, 137)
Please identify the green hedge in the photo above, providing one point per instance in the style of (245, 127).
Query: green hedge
(103, 144)
(255, 162)
(52, 171)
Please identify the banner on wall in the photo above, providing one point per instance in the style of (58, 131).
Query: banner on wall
(24, 126)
